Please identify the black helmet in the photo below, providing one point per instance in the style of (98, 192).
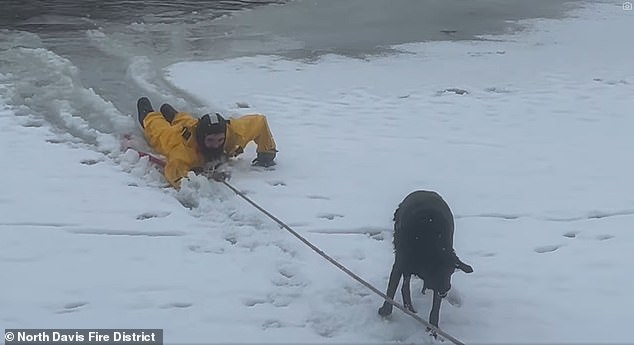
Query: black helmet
(210, 124)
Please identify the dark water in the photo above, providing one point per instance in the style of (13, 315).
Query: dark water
(17, 12)
(358, 27)
(103, 38)
(94, 58)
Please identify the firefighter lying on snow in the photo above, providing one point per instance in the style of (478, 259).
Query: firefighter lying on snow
(198, 145)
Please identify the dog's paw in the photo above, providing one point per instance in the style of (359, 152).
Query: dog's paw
(410, 308)
(385, 310)
(433, 333)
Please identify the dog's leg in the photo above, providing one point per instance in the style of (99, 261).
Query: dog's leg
(434, 315)
(407, 295)
(424, 287)
(392, 285)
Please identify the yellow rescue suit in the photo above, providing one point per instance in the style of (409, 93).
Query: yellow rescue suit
(177, 141)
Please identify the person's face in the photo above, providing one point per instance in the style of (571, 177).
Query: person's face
(214, 141)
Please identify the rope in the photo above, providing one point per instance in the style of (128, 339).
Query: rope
(436, 330)
(343, 268)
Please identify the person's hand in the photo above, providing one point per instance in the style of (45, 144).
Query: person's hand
(264, 159)
(220, 176)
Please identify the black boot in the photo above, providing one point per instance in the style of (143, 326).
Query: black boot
(144, 106)
(168, 112)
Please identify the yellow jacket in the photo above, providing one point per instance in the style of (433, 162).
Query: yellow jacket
(177, 141)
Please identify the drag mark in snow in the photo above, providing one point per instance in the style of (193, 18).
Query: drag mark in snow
(589, 215)
(483, 53)
(354, 231)
(594, 215)
(493, 215)
(111, 232)
(42, 224)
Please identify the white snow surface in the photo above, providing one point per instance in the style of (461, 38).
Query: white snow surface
(534, 160)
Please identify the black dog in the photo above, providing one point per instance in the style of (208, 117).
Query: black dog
(423, 245)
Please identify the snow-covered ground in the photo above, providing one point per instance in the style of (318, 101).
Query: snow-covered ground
(534, 160)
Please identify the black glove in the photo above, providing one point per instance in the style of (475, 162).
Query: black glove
(264, 159)
(216, 175)
(219, 176)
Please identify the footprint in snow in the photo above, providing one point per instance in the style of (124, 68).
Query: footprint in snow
(485, 254)
(231, 238)
(494, 89)
(32, 124)
(148, 215)
(252, 302)
(330, 216)
(89, 161)
(318, 197)
(547, 249)
(571, 234)
(287, 272)
(281, 300)
(272, 324)
(378, 236)
(72, 307)
(611, 81)
(277, 183)
(288, 279)
(604, 237)
(454, 90)
(176, 305)
(202, 250)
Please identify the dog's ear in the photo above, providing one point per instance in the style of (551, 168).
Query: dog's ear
(464, 267)
(396, 213)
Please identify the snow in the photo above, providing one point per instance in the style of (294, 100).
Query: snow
(533, 160)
